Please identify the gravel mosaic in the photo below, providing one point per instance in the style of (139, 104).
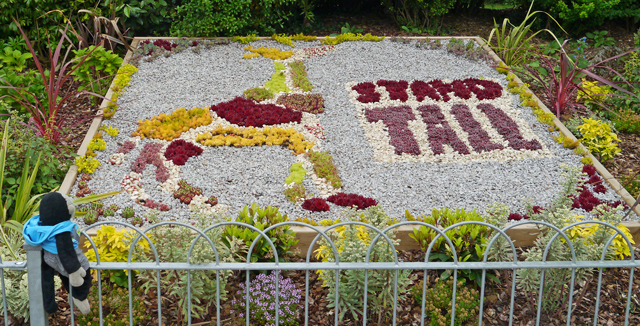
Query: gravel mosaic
(365, 158)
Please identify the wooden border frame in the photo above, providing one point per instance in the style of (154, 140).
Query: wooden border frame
(524, 235)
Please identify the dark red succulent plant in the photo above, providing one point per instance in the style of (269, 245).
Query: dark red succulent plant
(368, 93)
(590, 170)
(397, 89)
(248, 113)
(349, 200)
(179, 151)
(397, 118)
(316, 205)
(439, 131)
(478, 137)
(508, 128)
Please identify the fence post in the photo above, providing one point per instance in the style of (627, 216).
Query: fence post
(37, 315)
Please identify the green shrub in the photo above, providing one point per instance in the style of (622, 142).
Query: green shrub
(469, 240)
(23, 145)
(97, 70)
(420, 14)
(28, 81)
(227, 18)
(576, 16)
(27, 12)
(14, 59)
(631, 73)
(283, 238)
(627, 121)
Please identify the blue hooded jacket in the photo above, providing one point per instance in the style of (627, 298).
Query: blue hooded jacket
(36, 234)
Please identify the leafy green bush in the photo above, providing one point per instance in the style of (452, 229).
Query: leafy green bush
(283, 238)
(352, 243)
(13, 59)
(469, 240)
(627, 121)
(576, 16)
(27, 12)
(29, 81)
(420, 14)
(631, 73)
(227, 18)
(23, 145)
(97, 70)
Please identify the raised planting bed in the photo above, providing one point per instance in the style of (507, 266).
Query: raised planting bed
(410, 125)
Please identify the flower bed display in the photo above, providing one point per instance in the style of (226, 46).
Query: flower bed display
(381, 127)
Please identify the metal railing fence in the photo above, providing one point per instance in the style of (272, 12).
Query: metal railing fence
(38, 317)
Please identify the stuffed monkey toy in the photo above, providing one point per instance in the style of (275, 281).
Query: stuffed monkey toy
(58, 237)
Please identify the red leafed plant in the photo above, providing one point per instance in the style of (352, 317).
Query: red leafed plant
(44, 115)
(315, 205)
(179, 151)
(560, 88)
(589, 169)
(247, 113)
(342, 199)
(397, 89)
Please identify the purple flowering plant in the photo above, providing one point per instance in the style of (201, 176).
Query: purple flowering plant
(262, 301)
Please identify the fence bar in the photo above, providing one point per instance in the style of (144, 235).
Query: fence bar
(372, 265)
(37, 317)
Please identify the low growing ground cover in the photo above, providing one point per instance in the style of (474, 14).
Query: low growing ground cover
(410, 125)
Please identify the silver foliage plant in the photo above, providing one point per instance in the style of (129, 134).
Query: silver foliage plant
(352, 243)
(17, 285)
(586, 246)
(173, 243)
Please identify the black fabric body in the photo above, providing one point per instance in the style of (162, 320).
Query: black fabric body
(54, 210)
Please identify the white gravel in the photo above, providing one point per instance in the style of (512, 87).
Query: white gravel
(242, 176)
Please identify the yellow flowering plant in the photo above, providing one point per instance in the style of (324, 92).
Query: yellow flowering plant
(97, 144)
(113, 246)
(170, 126)
(242, 137)
(87, 164)
(595, 234)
